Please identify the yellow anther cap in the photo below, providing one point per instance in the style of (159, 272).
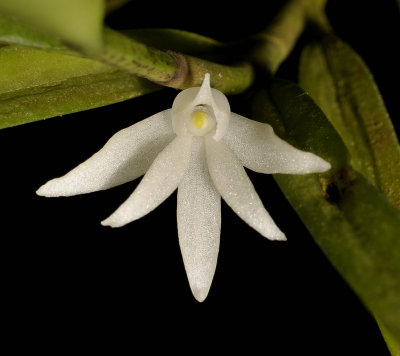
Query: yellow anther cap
(199, 119)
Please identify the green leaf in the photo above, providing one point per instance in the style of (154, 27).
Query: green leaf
(341, 84)
(36, 85)
(352, 222)
(76, 22)
(392, 344)
(314, 132)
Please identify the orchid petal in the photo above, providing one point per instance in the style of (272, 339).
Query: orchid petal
(236, 189)
(186, 101)
(126, 156)
(261, 150)
(199, 222)
(158, 183)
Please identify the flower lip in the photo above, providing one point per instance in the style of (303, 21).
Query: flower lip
(201, 121)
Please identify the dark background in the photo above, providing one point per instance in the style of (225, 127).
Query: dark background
(68, 279)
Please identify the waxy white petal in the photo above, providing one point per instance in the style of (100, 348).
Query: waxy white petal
(261, 150)
(187, 100)
(126, 156)
(199, 222)
(236, 189)
(158, 183)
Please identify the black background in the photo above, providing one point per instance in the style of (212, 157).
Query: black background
(67, 279)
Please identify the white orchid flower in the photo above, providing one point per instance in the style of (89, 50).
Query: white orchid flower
(200, 147)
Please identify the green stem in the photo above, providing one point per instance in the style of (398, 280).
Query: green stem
(171, 69)
(274, 44)
(231, 79)
(134, 57)
(316, 16)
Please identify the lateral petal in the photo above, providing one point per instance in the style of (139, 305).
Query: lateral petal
(236, 189)
(199, 222)
(158, 183)
(261, 150)
(126, 156)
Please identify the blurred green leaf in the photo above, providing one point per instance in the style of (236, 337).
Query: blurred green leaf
(112, 5)
(76, 22)
(13, 32)
(36, 85)
(179, 41)
(341, 84)
(353, 223)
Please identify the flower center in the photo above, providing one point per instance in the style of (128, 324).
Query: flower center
(199, 119)
(200, 122)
